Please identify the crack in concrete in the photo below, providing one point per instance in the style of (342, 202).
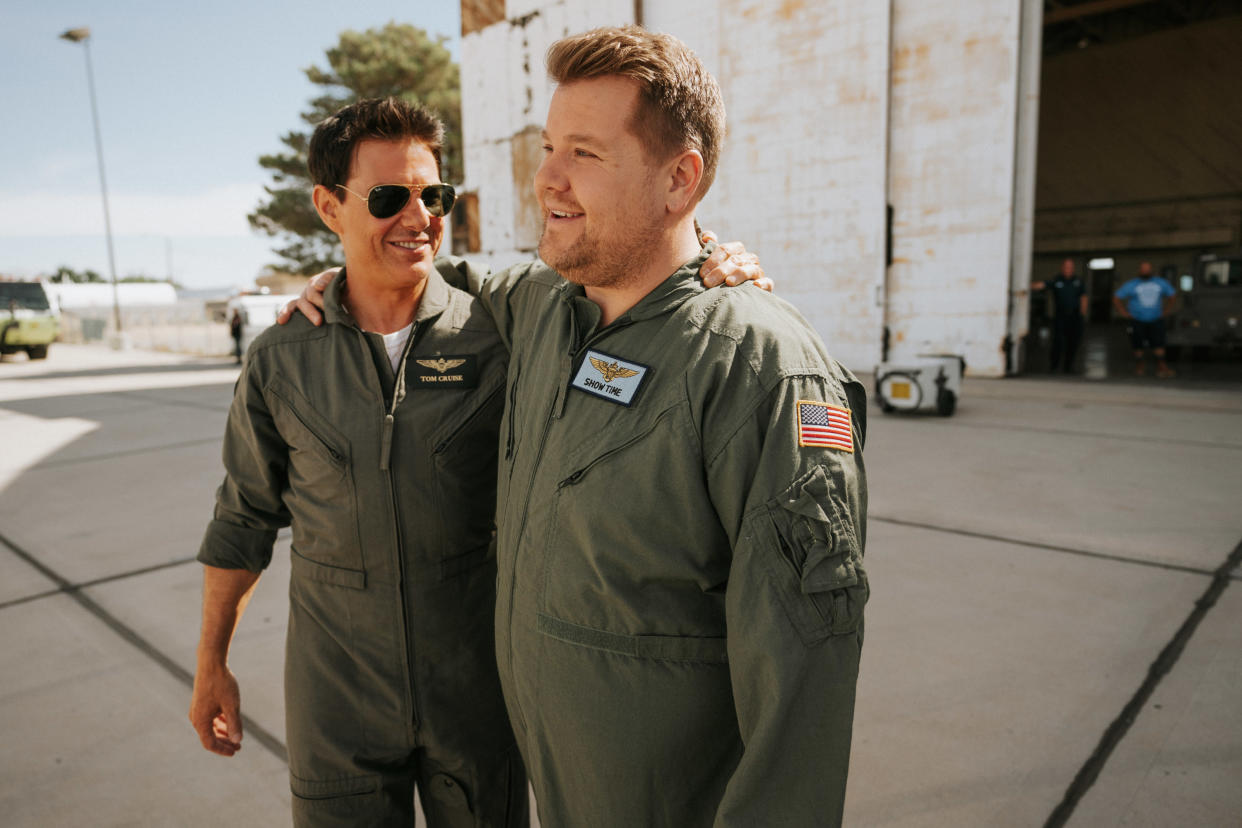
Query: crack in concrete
(119, 576)
(1069, 550)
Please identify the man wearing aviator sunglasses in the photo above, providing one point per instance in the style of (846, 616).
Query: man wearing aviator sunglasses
(374, 437)
(386, 200)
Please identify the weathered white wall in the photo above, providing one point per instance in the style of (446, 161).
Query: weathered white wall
(834, 108)
(505, 95)
(951, 178)
(801, 180)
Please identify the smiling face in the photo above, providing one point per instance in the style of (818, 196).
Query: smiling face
(597, 186)
(393, 253)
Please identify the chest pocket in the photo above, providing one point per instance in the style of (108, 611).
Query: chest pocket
(464, 461)
(625, 552)
(321, 496)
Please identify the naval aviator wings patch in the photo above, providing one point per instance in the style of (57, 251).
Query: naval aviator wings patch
(821, 424)
(452, 371)
(615, 379)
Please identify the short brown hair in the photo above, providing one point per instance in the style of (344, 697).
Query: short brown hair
(679, 106)
(331, 153)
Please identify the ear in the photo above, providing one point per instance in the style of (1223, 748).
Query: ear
(685, 175)
(328, 206)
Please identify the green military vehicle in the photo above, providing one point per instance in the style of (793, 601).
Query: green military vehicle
(1210, 316)
(29, 320)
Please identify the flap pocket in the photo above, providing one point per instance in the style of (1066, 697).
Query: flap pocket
(818, 533)
(325, 438)
(332, 788)
(303, 567)
(825, 585)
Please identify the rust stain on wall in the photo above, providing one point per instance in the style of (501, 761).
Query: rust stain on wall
(789, 9)
(479, 14)
(906, 58)
(526, 151)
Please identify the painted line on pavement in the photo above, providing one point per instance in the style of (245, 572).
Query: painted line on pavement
(1098, 435)
(249, 726)
(1069, 550)
(120, 576)
(1159, 668)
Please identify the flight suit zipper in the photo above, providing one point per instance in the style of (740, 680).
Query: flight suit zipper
(513, 387)
(474, 415)
(398, 396)
(387, 425)
(580, 473)
(336, 454)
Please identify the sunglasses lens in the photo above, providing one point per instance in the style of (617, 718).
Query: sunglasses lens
(438, 198)
(386, 200)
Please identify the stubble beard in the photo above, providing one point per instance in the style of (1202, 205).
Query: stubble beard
(590, 263)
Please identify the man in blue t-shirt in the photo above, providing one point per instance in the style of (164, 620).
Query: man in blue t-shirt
(1147, 300)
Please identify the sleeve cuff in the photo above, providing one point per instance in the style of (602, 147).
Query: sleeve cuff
(229, 546)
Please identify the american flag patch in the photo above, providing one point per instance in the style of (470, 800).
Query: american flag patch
(821, 424)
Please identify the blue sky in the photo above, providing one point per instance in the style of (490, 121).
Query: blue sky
(190, 95)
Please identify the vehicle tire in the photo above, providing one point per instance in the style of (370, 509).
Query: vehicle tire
(886, 406)
(36, 351)
(946, 402)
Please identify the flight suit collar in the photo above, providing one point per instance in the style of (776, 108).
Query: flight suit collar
(683, 284)
(435, 299)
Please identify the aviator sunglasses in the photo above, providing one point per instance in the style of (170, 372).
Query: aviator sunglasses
(386, 200)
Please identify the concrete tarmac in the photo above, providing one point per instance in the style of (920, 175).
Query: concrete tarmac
(1056, 618)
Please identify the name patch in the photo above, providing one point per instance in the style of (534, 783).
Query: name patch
(461, 371)
(615, 379)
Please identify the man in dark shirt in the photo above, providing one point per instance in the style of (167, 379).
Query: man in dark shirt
(1070, 302)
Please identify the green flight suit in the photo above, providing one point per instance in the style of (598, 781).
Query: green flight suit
(680, 586)
(388, 483)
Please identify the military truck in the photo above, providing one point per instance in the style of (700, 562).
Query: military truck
(29, 319)
(1210, 316)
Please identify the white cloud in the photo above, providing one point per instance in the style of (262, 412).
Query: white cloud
(220, 211)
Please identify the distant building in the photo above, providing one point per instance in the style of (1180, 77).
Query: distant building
(83, 296)
(275, 282)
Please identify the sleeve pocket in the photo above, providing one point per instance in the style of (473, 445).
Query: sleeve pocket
(824, 585)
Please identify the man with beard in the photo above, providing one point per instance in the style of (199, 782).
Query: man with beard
(681, 500)
(1146, 300)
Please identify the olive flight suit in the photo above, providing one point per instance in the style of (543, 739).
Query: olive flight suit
(681, 525)
(388, 482)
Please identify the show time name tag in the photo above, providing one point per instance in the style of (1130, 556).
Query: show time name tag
(610, 377)
(461, 371)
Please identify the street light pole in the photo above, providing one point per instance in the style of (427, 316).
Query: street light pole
(82, 35)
